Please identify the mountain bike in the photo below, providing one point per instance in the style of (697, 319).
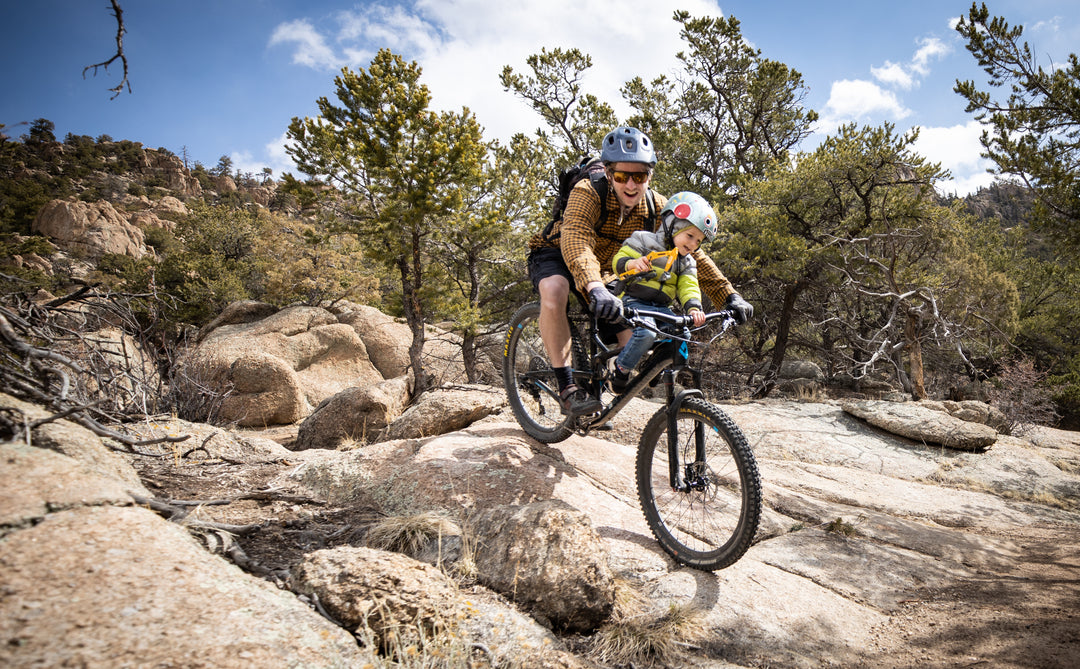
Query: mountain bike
(697, 479)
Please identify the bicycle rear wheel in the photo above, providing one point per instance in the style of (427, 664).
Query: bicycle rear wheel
(710, 523)
(529, 381)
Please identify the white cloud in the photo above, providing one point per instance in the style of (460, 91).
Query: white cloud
(858, 100)
(311, 48)
(931, 48)
(390, 27)
(463, 45)
(274, 157)
(957, 149)
(893, 74)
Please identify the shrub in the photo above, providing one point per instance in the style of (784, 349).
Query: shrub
(1024, 395)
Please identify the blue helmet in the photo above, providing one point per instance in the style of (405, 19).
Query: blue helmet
(628, 145)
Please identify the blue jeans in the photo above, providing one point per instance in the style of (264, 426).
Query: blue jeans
(642, 339)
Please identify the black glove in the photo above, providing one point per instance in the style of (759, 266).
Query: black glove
(605, 305)
(740, 308)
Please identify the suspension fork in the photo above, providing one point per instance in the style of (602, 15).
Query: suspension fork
(674, 404)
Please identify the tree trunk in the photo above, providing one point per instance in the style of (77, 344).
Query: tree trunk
(915, 361)
(783, 331)
(468, 356)
(414, 316)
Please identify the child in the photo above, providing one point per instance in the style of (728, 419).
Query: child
(685, 222)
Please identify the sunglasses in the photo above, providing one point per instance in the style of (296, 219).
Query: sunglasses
(622, 177)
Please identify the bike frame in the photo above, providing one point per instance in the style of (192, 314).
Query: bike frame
(668, 356)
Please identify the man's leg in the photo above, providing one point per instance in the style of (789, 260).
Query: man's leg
(554, 328)
(555, 331)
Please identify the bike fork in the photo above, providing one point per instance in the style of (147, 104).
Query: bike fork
(674, 404)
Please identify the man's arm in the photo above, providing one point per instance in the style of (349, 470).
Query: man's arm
(712, 280)
(578, 236)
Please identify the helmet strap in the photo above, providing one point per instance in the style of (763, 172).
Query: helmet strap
(667, 223)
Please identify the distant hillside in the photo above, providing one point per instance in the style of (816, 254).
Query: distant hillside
(1008, 202)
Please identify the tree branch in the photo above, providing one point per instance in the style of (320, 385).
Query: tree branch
(120, 30)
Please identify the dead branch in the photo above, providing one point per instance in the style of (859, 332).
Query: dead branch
(48, 357)
(120, 30)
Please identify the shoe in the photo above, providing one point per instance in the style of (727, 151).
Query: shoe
(617, 379)
(619, 382)
(576, 402)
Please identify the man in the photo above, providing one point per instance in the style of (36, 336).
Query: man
(572, 254)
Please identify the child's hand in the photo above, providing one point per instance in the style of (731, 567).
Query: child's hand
(641, 264)
(699, 317)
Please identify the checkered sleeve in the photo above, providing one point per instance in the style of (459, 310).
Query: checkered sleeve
(712, 280)
(578, 235)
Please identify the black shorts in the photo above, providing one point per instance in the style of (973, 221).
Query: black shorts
(547, 261)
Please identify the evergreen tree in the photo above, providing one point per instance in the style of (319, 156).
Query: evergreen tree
(403, 166)
(1034, 134)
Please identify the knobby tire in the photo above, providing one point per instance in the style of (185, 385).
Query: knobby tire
(712, 524)
(530, 383)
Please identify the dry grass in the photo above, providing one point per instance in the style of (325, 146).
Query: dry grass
(841, 527)
(421, 646)
(410, 534)
(639, 635)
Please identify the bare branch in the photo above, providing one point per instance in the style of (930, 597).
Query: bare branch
(120, 30)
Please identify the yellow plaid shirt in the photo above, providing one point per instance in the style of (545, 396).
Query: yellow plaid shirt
(588, 251)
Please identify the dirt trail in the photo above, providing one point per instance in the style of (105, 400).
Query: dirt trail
(1028, 618)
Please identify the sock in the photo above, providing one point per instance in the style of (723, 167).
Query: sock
(564, 376)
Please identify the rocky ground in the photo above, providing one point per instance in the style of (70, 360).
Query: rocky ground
(1002, 591)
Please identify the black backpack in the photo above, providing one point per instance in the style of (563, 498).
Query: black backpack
(591, 168)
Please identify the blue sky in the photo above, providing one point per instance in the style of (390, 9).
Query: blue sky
(225, 77)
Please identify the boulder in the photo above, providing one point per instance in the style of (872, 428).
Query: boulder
(146, 219)
(444, 410)
(358, 414)
(115, 360)
(392, 596)
(97, 586)
(275, 370)
(78, 444)
(241, 311)
(920, 423)
(801, 369)
(548, 558)
(89, 230)
(388, 593)
(171, 205)
(388, 340)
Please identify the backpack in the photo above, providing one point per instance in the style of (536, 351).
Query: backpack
(591, 168)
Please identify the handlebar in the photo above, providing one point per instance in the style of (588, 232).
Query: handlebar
(633, 317)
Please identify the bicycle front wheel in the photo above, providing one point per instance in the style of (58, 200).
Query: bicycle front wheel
(707, 516)
(529, 381)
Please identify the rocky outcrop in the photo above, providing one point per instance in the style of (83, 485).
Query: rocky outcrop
(170, 170)
(276, 367)
(866, 534)
(276, 370)
(356, 415)
(89, 230)
(89, 579)
(83, 450)
(923, 424)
